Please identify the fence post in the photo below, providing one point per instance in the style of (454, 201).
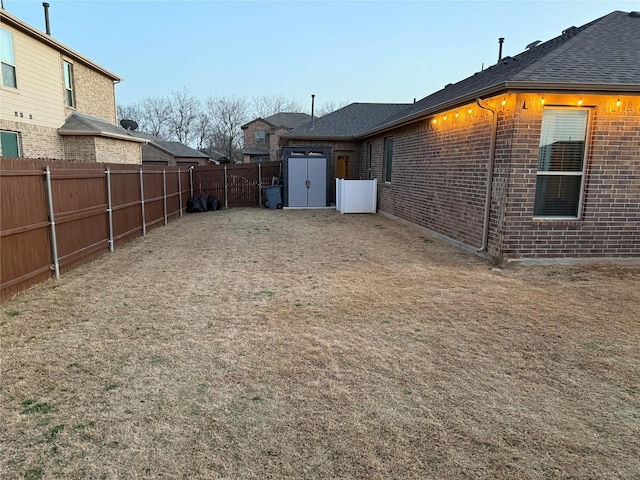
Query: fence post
(180, 193)
(164, 194)
(109, 209)
(191, 181)
(260, 184)
(226, 195)
(52, 222)
(144, 223)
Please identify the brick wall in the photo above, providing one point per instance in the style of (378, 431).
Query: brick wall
(610, 222)
(36, 141)
(94, 94)
(439, 179)
(101, 149)
(438, 173)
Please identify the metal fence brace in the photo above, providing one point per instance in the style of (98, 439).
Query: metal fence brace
(52, 222)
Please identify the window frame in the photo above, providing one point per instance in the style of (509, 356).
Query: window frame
(69, 90)
(551, 173)
(12, 64)
(388, 159)
(263, 137)
(17, 137)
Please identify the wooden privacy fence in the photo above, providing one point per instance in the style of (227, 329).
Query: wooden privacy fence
(236, 185)
(56, 215)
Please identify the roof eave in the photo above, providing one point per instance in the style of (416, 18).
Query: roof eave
(341, 138)
(547, 87)
(47, 39)
(100, 133)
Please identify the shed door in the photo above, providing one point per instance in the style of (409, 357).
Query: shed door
(307, 182)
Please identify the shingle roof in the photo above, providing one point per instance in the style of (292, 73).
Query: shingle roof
(255, 151)
(349, 121)
(175, 149)
(81, 124)
(288, 119)
(601, 53)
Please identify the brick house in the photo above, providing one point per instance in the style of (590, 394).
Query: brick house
(535, 159)
(261, 137)
(43, 84)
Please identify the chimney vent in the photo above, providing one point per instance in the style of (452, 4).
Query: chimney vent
(500, 42)
(46, 18)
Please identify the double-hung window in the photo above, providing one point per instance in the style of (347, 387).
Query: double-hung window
(388, 158)
(561, 163)
(68, 84)
(8, 59)
(260, 137)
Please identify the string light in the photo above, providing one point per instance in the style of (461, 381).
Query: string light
(580, 101)
(618, 102)
(542, 100)
(504, 101)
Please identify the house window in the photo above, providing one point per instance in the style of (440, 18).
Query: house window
(68, 84)
(9, 144)
(561, 163)
(388, 158)
(260, 137)
(8, 59)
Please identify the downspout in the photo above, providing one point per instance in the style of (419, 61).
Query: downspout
(487, 198)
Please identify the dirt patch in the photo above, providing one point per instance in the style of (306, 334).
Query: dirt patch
(253, 343)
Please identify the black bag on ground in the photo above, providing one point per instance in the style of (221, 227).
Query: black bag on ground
(197, 204)
(212, 203)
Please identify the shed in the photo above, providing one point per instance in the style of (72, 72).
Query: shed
(305, 177)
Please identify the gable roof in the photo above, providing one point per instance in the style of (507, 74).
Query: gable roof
(601, 55)
(80, 124)
(15, 22)
(348, 122)
(282, 119)
(288, 119)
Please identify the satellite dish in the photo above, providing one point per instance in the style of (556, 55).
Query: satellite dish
(128, 124)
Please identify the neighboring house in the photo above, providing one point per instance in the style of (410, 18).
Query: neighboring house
(535, 158)
(262, 135)
(44, 83)
(161, 152)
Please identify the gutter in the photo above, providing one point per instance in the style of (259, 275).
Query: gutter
(488, 190)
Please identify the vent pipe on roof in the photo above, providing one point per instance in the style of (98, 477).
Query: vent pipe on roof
(46, 18)
(313, 100)
(500, 42)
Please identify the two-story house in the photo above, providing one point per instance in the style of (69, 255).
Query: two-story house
(44, 85)
(262, 135)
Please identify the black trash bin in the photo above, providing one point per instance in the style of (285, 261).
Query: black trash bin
(274, 198)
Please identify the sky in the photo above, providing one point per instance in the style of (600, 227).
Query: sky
(343, 52)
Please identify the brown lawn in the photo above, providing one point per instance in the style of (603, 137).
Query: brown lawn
(255, 344)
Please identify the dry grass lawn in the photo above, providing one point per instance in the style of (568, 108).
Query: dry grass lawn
(256, 344)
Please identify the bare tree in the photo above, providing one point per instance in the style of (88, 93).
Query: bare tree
(268, 105)
(154, 116)
(184, 110)
(227, 115)
(329, 107)
(203, 131)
